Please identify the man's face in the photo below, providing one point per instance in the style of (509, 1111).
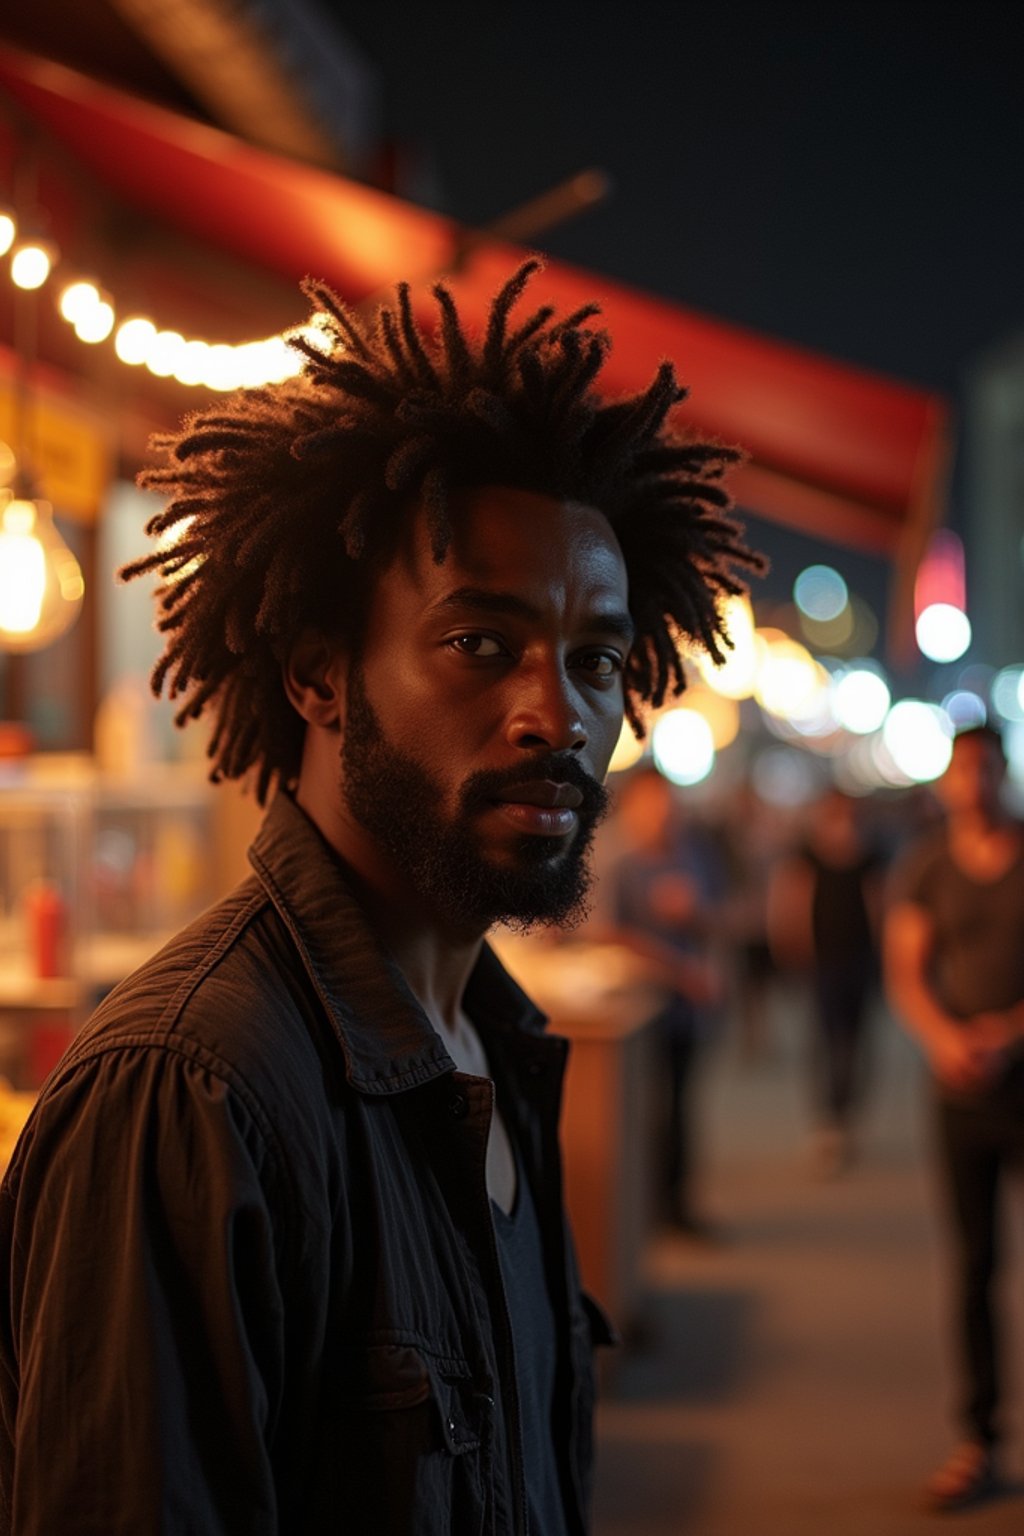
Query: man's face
(484, 707)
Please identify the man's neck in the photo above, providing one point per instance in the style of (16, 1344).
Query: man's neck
(435, 960)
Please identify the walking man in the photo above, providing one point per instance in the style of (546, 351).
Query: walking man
(954, 947)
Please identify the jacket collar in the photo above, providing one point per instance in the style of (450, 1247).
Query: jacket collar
(387, 1040)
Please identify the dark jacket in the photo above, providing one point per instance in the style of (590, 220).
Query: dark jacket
(252, 1284)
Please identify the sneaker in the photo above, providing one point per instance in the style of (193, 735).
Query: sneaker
(967, 1477)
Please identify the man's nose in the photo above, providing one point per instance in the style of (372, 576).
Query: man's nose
(545, 712)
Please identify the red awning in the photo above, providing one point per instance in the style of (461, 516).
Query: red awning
(836, 451)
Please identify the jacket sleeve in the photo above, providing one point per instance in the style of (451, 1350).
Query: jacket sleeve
(142, 1332)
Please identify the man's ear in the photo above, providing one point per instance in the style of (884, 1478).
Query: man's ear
(314, 679)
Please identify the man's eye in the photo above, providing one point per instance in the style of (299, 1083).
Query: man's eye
(602, 664)
(472, 644)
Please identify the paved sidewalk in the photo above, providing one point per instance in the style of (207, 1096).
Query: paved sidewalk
(795, 1378)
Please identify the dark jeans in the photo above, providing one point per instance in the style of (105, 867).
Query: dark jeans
(677, 1047)
(840, 996)
(980, 1139)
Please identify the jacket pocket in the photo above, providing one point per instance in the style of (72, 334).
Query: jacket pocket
(403, 1444)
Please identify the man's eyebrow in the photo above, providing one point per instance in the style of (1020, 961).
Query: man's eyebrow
(485, 600)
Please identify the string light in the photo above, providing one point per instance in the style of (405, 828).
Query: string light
(8, 230)
(139, 342)
(32, 262)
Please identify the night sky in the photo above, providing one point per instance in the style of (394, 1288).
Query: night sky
(845, 176)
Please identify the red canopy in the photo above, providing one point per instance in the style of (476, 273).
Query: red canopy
(836, 451)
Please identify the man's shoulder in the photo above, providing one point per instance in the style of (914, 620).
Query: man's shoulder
(226, 991)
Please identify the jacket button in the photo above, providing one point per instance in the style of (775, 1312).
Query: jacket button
(459, 1105)
(535, 1068)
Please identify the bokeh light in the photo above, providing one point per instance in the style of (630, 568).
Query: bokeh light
(134, 339)
(683, 746)
(628, 751)
(1013, 746)
(820, 593)
(722, 714)
(789, 680)
(1008, 693)
(95, 323)
(860, 698)
(164, 353)
(965, 708)
(919, 739)
(30, 265)
(77, 299)
(943, 632)
(734, 679)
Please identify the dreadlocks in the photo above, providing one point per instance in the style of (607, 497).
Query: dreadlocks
(280, 499)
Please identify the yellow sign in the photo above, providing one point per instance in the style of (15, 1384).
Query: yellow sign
(65, 446)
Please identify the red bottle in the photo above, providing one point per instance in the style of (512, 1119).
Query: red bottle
(47, 915)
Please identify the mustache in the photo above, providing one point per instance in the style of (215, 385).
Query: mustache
(489, 783)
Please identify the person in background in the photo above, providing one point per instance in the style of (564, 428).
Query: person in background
(283, 1247)
(665, 890)
(749, 838)
(954, 963)
(825, 911)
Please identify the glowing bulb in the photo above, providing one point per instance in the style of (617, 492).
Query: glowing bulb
(683, 746)
(943, 632)
(134, 340)
(222, 368)
(192, 363)
(8, 231)
(41, 586)
(164, 353)
(31, 264)
(78, 299)
(95, 324)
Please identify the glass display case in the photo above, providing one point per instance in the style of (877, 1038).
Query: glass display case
(95, 874)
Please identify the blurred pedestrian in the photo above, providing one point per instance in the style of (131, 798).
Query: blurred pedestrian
(955, 973)
(824, 905)
(665, 886)
(749, 836)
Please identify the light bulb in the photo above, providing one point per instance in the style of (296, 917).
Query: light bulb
(8, 230)
(78, 298)
(95, 325)
(41, 586)
(31, 263)
(134, 340)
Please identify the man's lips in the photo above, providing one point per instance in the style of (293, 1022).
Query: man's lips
(540, 806)
(542, 792)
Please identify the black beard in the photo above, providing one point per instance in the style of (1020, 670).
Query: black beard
(399, 804)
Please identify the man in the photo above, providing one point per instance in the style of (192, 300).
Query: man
(954, 947)
(284, 1238)
(824, 913)
(665, 888)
